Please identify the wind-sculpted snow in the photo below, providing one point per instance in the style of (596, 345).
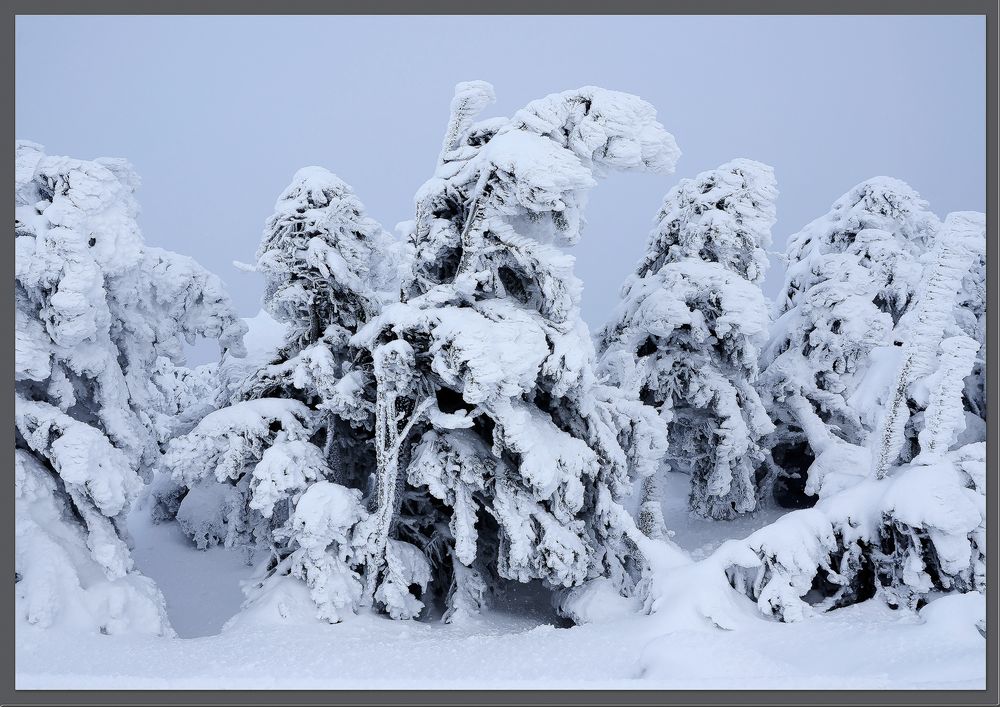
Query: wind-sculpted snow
(81, 455)
(603, 128)
(970, 317)
(527, 173)
(687, 334)
(944, 418)
(486, 355)
(102, 321)
(551, 461)
(471, 98)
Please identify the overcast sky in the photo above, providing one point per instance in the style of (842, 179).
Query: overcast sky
(217, 113)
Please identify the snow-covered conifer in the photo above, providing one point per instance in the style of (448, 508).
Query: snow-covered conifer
(956, 248)
(325, 262)
(687, 334)
(899, 530)
(970, 316)
(300, 420)
(501, 455)
(920, 529)
(851, 276)
(102, 321)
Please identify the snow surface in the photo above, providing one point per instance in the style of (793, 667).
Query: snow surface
(866, 646)
(702, 536)
(516, 645)
(202, 587)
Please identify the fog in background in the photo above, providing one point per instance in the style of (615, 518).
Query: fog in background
(217, 113)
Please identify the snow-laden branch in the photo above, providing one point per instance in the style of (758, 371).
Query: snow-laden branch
(950, 260)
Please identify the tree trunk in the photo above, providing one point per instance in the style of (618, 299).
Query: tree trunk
(386, 470)
(388, 439)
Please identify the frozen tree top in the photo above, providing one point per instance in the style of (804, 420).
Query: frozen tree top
(723, 215)
(324, 259)
(602, 127)
(882, 203)
(311, 187)
(969, 227)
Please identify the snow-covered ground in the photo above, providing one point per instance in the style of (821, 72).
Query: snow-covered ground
(202, 588)
(701, 536)
(863, 646)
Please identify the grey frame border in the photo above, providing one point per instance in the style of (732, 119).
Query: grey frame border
(988, 8)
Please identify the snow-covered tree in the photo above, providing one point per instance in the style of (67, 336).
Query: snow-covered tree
(851, 276)
(501, 456)
(956, 249)
(687, 334)
(896, 530)
(970, 316)
(101, 324)
(918, 530)
(284, 465)
(328, 268)
(326, 263)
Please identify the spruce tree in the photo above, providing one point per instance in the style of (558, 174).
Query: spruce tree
(902, 529)
(284, 465)
(502, 457)
(687, 333)
(482, 447)
(851, 276)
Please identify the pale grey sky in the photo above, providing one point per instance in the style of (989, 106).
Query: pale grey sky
(217, 113)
